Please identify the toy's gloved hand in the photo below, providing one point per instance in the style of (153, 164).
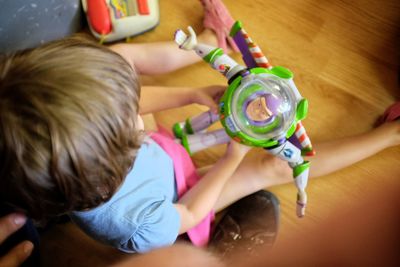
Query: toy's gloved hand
(185, 41)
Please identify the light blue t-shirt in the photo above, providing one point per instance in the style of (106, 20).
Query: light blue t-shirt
(140, 216)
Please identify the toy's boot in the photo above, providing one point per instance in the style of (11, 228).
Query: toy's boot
(300, 174)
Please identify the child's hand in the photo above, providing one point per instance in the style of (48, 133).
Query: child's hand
(16, 256)
(236, 149)
(209, 96)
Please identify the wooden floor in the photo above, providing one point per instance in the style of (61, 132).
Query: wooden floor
(345, 56)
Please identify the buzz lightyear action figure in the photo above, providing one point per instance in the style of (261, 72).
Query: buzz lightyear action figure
(261, 107)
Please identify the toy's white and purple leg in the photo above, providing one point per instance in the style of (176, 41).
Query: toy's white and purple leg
(195, 124)
(290, 153)
(200, 141)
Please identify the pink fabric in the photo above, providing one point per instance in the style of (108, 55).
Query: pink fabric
(186, 177)
(392, 113)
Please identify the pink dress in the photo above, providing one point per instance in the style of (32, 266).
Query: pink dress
(186, 177)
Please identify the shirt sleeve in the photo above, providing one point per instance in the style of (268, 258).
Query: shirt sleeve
(157, 226)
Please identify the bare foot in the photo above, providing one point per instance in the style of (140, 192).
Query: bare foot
(390, 122)
(395, 127)
(208, 36)
(218, 19)
(390, 131)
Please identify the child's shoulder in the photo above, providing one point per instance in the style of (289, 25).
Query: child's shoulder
(151, 154)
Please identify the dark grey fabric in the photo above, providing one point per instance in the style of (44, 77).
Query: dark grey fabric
(29, 23)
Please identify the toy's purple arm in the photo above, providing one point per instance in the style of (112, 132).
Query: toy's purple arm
(244, 50)
(251, 52)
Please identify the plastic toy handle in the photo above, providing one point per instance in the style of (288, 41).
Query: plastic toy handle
(143, 7)
(99, 17)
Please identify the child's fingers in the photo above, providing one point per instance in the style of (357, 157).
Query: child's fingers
(17, 255)
(238, 148)
(216, 92)
(222, 41)
(209, 102)
(213, 106)
(209, 96)
(215, 89)
(9, 224)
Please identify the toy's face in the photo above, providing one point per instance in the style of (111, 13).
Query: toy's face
(257, 109)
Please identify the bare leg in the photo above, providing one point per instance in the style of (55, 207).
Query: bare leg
(260, 170)
(338, 154)
(257, 171)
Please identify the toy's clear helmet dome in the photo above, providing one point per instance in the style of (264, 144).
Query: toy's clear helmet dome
(263, 106)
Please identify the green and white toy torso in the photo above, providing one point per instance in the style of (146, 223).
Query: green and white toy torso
(260, 82)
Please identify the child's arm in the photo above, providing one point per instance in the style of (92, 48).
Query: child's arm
(156, 98)
(155, 58)
(200, 199)
(160, 57)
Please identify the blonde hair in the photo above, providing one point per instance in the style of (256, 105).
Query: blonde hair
(68, 126)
